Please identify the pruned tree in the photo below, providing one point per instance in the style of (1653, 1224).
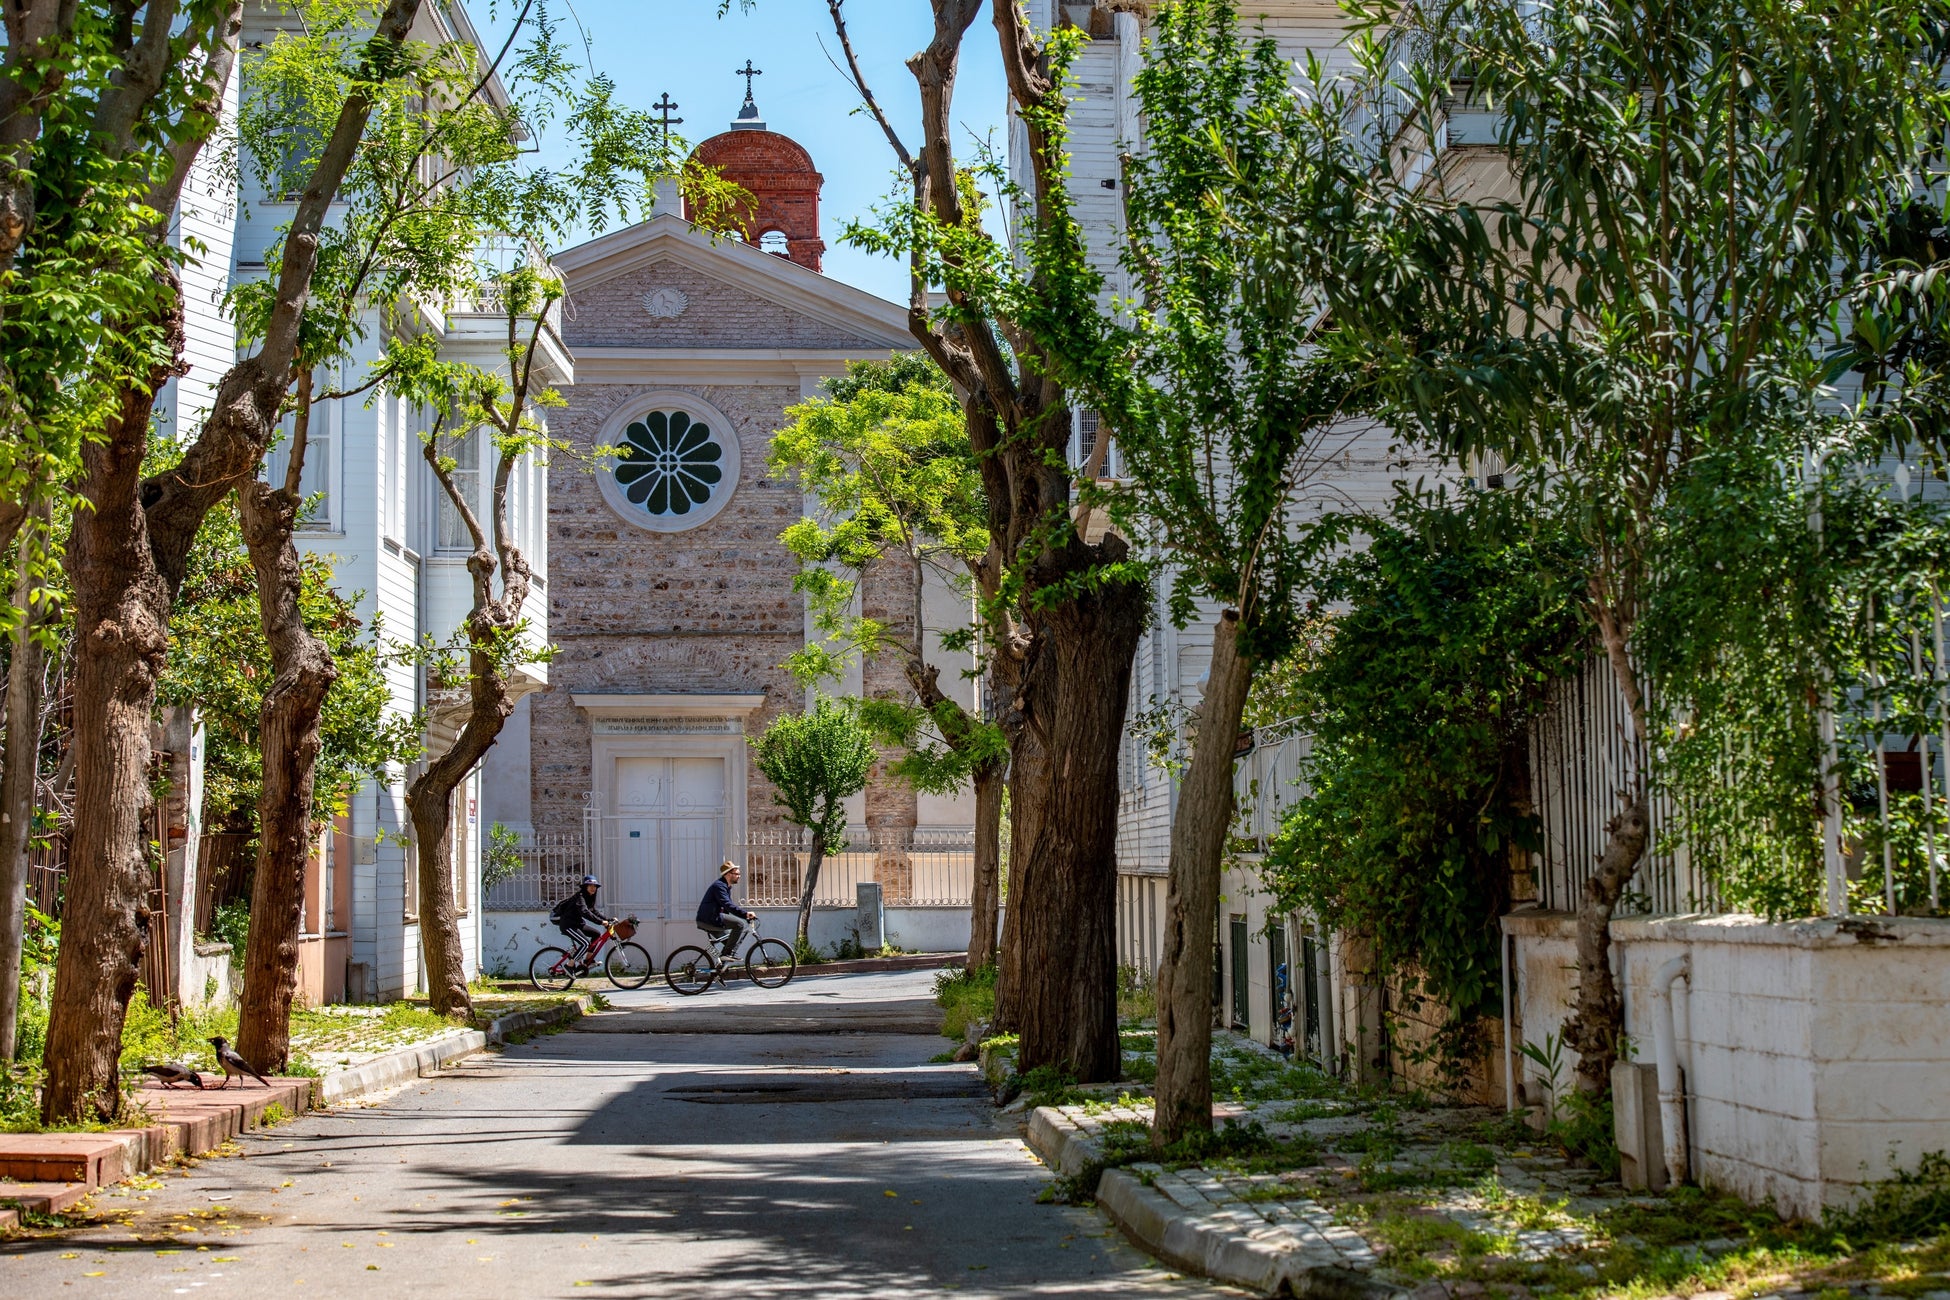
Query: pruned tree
(128, 552)
(493, 640)
(887, 458)
(441, 172)
(816, 761)
(1068, 611)
(1231, 420)
(1693, 192)
(102, 114)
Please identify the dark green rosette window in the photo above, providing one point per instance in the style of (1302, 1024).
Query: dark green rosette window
(668, 463)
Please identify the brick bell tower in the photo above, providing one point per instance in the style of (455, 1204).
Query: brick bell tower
(778, 173)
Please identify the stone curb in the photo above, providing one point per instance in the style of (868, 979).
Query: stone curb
(1195, 1243)
(423, 1059)
(853, 966)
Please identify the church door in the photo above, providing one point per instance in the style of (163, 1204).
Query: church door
(669, 833)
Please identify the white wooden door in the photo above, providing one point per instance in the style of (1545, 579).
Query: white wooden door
(668, 835)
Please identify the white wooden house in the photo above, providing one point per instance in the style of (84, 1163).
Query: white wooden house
(392, 537)
(1260, 949)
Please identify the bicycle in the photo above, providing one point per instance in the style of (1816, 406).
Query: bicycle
(770, 962)
(627, 964)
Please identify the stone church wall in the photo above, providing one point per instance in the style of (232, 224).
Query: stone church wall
(612, 313)
(710, 610)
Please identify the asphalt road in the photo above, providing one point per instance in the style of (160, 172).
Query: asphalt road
(741, 1144)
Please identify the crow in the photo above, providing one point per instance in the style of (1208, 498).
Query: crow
(233, 1064)
(170, 1074)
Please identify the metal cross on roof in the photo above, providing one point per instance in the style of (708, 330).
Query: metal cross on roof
(748, 72)
(663, 108)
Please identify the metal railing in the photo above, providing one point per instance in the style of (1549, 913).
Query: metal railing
(1582, 759)
(912, 868)
(499, 254)
(1267, 780)
(47, 874)
(226, 861)
(552, 867)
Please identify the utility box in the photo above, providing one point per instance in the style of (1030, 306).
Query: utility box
(871, 925)
(1636, 1125)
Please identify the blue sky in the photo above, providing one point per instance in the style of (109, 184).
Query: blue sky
(683, 47)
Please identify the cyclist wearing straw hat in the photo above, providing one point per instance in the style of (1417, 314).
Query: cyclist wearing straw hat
(721, 918)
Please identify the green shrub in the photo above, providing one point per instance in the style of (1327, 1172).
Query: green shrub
(231, 924)
(1137, 996)
(805, 953)
(41, 940)
(967, 997)
(1909, 1206)
(1583, 1126)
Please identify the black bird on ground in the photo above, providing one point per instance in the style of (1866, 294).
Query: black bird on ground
(233, 1064)
(172, 1074)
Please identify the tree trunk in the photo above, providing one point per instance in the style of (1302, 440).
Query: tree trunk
(985, 898)
(289, 742)
(1198, 838)
(430, 804)
(813, 864)
(1593, 1031)
(23, 711)
(121, 607)
(1599, 1021)
(1060, 980)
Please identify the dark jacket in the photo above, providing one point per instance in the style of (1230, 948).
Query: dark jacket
(575, 909)
(717, 901)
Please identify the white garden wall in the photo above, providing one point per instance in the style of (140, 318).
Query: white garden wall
(509, 939)
(1816, 1053)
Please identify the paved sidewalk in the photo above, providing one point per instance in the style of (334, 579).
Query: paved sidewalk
(679, 1158)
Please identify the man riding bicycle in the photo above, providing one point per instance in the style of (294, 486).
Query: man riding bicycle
(719, 917)
(577, 918)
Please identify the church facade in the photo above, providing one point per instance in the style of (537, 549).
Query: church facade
(670, 597)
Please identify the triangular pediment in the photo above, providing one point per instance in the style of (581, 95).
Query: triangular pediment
(665, 284)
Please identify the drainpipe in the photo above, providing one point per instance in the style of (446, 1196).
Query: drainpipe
(1665, 1049)
(1509, 1049)
(1324, 995)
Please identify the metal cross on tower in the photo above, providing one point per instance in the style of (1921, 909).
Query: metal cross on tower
(748, 72)
(664, 107)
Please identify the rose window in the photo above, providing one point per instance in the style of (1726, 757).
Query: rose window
(668, 463)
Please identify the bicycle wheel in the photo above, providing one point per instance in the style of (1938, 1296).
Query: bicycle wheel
(550, 970)
(690, 970)
(771, 963)
(628, 966)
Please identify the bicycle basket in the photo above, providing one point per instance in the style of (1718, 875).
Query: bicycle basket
(626, 928)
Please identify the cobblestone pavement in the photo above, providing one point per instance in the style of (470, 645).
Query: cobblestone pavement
(1411, 1202)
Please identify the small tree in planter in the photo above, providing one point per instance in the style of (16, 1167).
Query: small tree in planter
(817, 760)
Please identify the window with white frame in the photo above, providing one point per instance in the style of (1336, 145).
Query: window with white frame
(1085, 428)
(410, 881)
(316, 479)
(461, 836)
(387, 411)
(465, 449)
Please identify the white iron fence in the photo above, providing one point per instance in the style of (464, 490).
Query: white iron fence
(552, 867)
(1266, 780)
(913, 868)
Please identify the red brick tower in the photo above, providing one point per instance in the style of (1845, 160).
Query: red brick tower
(779, 174)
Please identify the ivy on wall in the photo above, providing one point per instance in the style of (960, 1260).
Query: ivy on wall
(1445, 633)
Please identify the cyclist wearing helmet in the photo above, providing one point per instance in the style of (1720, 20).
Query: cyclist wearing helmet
(577, 918)
(719, 917)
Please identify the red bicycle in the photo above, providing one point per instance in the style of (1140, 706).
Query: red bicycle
(627, 964)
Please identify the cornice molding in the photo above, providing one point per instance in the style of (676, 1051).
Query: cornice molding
(734, 262)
